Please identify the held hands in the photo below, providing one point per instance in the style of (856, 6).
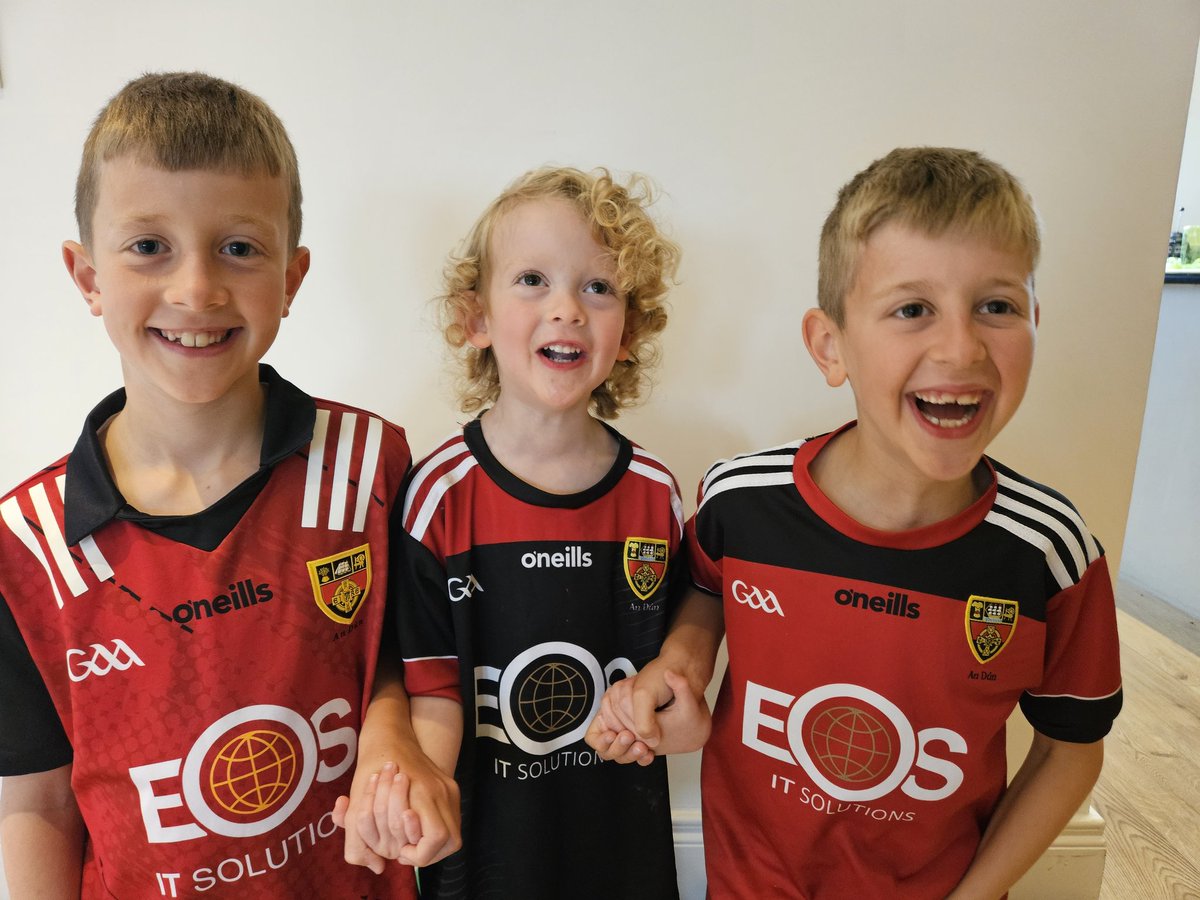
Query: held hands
(411, 818)
(646, 715)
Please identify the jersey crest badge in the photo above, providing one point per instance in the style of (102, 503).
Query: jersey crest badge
(340, 582)
(645, 565)
(990, 625)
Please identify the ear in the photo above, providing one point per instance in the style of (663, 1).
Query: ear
(474, 321)
(1037, 312)
(823, 340)
(294, 276)
(623, 354)
(83, 273)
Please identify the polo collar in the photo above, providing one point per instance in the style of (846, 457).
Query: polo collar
(92, 499)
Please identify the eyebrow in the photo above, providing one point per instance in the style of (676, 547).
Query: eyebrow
(150, 221)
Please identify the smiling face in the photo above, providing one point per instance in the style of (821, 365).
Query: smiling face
(191, 273)
(549, 310)
(937, 343)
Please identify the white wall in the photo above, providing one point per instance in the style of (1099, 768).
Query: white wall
(408, 117)
(1164, 523)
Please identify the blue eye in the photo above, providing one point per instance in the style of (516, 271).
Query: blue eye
(240, 249)
(147, 247)
(599, 287)
(911, 311)
(997, 307)
(530, 279)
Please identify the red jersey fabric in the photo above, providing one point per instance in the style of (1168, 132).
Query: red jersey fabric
(208, 673)
(858, 739)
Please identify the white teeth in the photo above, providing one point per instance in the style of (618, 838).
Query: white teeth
(197, 339)
(562, 352)
(940, 397)
(949, 423)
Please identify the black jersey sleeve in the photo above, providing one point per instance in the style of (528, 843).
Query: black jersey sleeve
(32, 738)
(423, 620)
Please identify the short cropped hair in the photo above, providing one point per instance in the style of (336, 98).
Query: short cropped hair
(933, 190)
(646, 261)
(184, 121)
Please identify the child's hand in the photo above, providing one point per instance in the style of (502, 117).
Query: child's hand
(382, 825)
(647, 715)
(397, 817)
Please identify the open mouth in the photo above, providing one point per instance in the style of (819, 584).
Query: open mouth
(947, 410)
(197, 339)
(561, 353)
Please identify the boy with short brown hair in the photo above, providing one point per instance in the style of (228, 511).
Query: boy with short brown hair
(889, 592)
(191, 602)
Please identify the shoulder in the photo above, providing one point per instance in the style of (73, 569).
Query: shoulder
(1044, 518)
(353, 430)
(770, 467)
(45, 483)
(433, 477)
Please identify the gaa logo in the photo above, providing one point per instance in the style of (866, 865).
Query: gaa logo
(101, 661)
(546, 697)
(756, 599)
(246, 772)
(855, 744)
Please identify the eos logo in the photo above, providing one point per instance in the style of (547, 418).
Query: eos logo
(855, 744)
(545, 698)
(101, 660)
(756, 599)
(462, 588)
(246, 772)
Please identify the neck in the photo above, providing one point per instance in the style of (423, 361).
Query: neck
(557, 452)
(171, 458)
(873, 497)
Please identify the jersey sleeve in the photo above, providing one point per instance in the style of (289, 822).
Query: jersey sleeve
(423, 619)
(703, 545)
(1080, 694)
(32, 738)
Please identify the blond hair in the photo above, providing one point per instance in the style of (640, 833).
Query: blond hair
(188, 120)
(645, 262)
(932, 190)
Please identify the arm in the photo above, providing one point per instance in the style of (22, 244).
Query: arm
(403, 804)
(662, 708)
(1050, 785)
(42, 835)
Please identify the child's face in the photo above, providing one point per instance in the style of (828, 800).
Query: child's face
(191, 272)
(937, 343)
(550, 310)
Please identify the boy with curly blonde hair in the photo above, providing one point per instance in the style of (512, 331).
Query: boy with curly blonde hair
(543, 552)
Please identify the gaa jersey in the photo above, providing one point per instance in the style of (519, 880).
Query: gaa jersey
(858, 743)
(528, 605)
(206, 675)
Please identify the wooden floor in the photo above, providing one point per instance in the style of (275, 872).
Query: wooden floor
(1149, 790)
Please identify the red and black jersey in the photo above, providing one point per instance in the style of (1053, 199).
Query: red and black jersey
(528, 605)
(206, 675)
(858, 740)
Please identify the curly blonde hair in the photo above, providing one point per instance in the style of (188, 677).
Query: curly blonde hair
(930, 189)
(646, 262)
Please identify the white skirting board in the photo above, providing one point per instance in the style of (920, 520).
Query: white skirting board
(1070, 869)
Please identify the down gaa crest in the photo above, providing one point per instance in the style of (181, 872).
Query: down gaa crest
(990, 625)
(645, 565)
(340, 582)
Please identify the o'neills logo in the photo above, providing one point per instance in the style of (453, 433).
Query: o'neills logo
(894, 604)
(570, 557)
(241, 595)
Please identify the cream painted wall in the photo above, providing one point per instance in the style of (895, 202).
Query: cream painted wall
(408, 117)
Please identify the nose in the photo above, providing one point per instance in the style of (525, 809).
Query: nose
(564, 306)
(197, 284)
(959, 341)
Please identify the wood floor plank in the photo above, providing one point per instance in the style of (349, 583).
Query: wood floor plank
(1149, 791)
